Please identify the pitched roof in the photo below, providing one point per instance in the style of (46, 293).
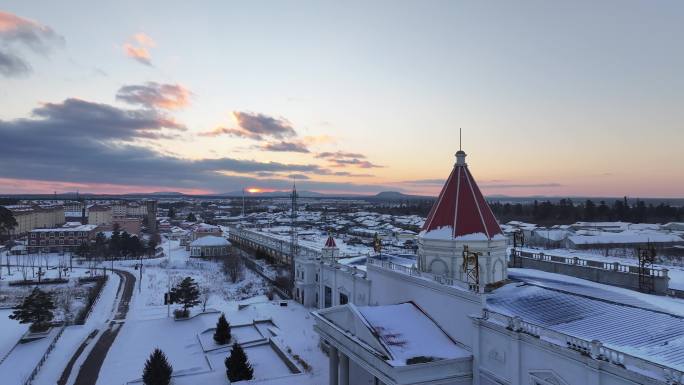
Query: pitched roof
(460, 208)
(210, 240)
(330, 242)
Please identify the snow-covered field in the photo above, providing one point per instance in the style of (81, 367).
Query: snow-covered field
(10, 332)
(148, 327)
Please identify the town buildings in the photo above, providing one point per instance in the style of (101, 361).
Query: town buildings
(36, 216)
(60, 239)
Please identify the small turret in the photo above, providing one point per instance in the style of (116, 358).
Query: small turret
(330, 250)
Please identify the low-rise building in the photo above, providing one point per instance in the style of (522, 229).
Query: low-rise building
(60, 239)
(209, 246)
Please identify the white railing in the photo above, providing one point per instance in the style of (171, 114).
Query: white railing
(272, 241)
(34, 373)
(594, 348)
(346, 268)
(613, 266)
(414, 272)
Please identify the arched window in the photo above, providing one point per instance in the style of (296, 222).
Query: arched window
(438, 267)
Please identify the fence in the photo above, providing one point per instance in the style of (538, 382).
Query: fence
(610, 273)
(35, 371)
(414, 272)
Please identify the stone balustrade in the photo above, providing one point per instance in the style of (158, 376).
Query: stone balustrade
(594, 348)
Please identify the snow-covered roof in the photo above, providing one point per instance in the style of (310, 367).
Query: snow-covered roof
(621, 319)
(407, 332)
(397, 333)
(625, 237)
(70, 228)
(460, 208)
(210, 240)
(330, 242)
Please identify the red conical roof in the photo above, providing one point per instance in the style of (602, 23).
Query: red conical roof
(460, 208)
(330, 242)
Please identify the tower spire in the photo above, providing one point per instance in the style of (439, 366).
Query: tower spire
(460, 154)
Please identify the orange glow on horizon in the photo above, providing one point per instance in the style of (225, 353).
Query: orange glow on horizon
(254, 190)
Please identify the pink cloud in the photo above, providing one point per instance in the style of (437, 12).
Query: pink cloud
(23, 186)
(138, 49)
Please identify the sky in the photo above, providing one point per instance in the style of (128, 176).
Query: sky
(580, 98)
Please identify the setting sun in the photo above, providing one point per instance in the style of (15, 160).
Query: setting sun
(253, 190)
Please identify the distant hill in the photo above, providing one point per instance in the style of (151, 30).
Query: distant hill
(396, 195)
(274, 194)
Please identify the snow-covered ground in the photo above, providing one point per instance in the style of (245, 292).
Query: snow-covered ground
(10, 332)
(148, 327)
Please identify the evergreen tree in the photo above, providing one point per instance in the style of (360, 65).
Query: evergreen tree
(187, 293)
(191, 218)
(157, 369)
(35, 309)
(238, 367)
(172, 212)
(222, 333)
(83, 250)
(100, 245)
(7, 222)
(151, 247)
(115, 241)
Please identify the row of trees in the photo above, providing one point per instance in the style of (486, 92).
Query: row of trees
(568, 211)
(119, 245)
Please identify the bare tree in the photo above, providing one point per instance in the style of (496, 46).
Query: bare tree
(205, 293)
(24, 271)
(232, 267)
(64, 301)
(32, 261)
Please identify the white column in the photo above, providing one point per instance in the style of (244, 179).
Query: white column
(344, 369)
(333, 360)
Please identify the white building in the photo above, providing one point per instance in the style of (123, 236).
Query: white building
(209, 246)
(461, 317)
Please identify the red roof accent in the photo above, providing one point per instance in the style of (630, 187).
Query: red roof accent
(461, 206)
(330, 242)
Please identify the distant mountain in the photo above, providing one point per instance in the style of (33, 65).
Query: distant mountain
(396, 195)
(274, 194)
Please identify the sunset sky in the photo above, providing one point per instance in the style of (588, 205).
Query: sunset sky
(579, 98)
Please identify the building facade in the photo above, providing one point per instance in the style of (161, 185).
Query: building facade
(210, 247)
(461, 317)
(35, 217)
(60, 239)
(100, 215)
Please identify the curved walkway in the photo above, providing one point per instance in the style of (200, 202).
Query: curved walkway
(90, 369)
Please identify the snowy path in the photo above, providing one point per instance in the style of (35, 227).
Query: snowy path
(90, 368)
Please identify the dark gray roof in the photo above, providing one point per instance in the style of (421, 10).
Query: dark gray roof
(641, 331)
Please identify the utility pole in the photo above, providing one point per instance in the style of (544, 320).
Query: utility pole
(294, 237)
(140, 285)
(243, 203)
(168, 282)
